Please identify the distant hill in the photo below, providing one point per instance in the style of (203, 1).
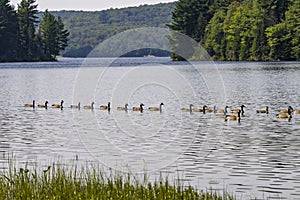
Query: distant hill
(88, 29)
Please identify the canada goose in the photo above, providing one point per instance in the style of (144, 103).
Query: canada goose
(75, 106)
(30, 105)
(234, 117)
(286, 111)
(209, 110)
(43, 105)
(90, 107)
(220, 110)
(156, 108)
(58, 105)
(105, 107)
(188, 109)
(203, 109)
(140, 108)
(263, 111)
(287, 115)
(125, 108)
(239, 110)
(221, 114)
(296, 111)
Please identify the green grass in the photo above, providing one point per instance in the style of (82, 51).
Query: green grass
(61, 182)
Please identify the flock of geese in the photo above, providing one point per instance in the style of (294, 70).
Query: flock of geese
(231, 115)
(92, 107)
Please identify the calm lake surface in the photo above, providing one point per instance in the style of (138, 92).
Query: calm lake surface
(256, 158)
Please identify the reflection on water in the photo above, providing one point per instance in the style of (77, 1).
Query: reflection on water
(257, 157)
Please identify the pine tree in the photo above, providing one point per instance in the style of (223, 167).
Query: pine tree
(8, 31)
(63, 35)
(190, 18)
(27, 15)
(49, 34)
(53, 35)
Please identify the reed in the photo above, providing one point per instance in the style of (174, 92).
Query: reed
(61, 182)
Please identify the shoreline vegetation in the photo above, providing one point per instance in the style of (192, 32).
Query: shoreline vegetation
(61, 182)
(240, 30)
(24, 38)
(229, 30)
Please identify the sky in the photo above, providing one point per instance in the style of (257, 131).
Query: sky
(89, 5)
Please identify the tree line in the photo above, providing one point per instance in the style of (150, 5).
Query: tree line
(24, 38)
(89, 28)
(241, 30)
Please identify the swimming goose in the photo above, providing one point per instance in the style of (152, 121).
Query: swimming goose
(239, 110)
(43, 105)
(156, 108)
(140, 108)
(203, 109)
(220, 110)
(188, 109)
(209, 110)
(296, 111)
(58, 105)
(221, 114)
(90, 107)
(125, 108)
(287, 115)
(263, 111)
(75, 106)
(105, 107)
(30, 105)
(234, 117)
(286, 111)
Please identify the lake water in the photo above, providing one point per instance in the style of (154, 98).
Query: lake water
(256, 158)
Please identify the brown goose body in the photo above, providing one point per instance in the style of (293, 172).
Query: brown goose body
(156, 108)
(43, 105)
(140, 108)
(104, 107)
(30, 105)
(58, 105)
(266, 111)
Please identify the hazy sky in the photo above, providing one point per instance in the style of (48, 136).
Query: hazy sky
(89, 4)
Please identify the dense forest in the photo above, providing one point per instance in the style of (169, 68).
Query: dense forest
(233, 30)
(89, 28)
(241, 30)
(24, 38)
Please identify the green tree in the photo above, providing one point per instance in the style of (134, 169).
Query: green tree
(284, 38)
(293, 26)
(279, 42)
(257, 30)
(214, 36)
(48, 31)
(8, 31)
(27, 15)
(62, 36)
(232, 30)
(190, 18)
(53, 35)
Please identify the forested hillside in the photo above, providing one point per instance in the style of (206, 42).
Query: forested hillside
(23, 37)
(233, 30)
(241, 30)
(88, 29)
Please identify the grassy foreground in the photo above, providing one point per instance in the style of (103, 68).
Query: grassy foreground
(60, 182)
